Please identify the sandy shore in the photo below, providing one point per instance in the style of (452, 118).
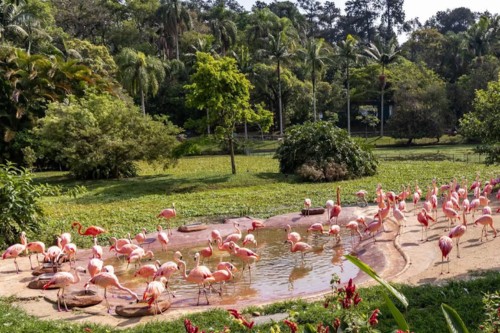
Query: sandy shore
(403, 259)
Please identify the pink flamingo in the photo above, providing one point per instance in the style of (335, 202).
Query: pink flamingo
(423, 218)
(168, 269)
(485, 221)
(53, 253)
(70, 250)
(292, 235)
(65, 239)
(126, 249)
(207, 252)
(400, 218)
(474, 205)
(90, 231)
(106, 280)
(215, 235)
(335, 231)
(35, 247)
(148, 271)
(374, 226)
(223, 273)
(234, 237)
(250, 239)
(488, 188)
(353, 226)
(301, 247)
(337, 208)
(487, 210)
(94, 266)
(167, 214)
(317, 227)
(140, 238)
(223, 246)
(307, 205)
(153, 292)
(63, 280)
(197, 275)
(246, 255)
(445, 245)
(118, 243)
(96, 250)
(457, 232)
(451, 214)
(329, 206)
(162, 237)
(137, 255)
(15, 250)
(498, 198)
(256, 225)
(361, 195)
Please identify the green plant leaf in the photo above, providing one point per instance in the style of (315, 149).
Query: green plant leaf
(368, 270)
(398, 316)
(453, 320)
(309, 329)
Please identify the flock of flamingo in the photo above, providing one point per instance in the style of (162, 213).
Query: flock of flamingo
(455, 205)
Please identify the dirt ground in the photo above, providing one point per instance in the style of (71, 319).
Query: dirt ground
(403, 259)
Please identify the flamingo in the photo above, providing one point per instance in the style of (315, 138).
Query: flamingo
(118, 243)
(292, 235)
(246, 255)
(137, 255)
(374, 225)
(307, 205)
(473, 206)
(234, 237)
(485, 220)
(399, 216)
(337, 208)
(317, 227)
(215, 235)
(451, 214)
(256, 225)
(361, 195)
(70, 250)
(223, 246)
(335, 231)
(207, 252)
(153, 291)
(498, 198)
(162, 237)
(96, 250)
(445, 245)
(108, 269)
(423, 218)
(65, 239)
(487, 210)
(53, 253)
(167, 214)
(106, 280)
(197, 275)
(35, 247)
(457, 232)
(353, 226)
(488, 188)
(250, 239)
(94, 266)
(90, 231)
(148, 271)
(301, 247)
(223, 273)
(15, 250)
(168, 269)
(63, 280)
(140, 238)
(329, 206)
(126, 249)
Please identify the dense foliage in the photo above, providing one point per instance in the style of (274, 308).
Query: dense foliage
(100, 136)
(19, 206)
(321, 151)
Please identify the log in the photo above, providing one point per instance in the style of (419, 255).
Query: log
(77, 299)
(313, 211)
(192, 227)
(141, 309)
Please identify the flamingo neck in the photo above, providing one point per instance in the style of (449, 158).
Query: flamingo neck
(183, 272)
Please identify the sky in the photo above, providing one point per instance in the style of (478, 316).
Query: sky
(423, 9)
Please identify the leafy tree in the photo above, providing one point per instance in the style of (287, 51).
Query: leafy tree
(325, 150)
(393, 15)
(368, 117)
(11, 16)
(218, 86)
(222, 27)
(421, 105)
(174, 17)
(101, 136)
(483, 124)
(360, 18)
(426, 45)
(383, 56)
(140, 73)
(456, 20)
(313, 10)
(19, 207)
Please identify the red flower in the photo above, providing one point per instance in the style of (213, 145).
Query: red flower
(238, 316)
(357, 299)
(293, 326)
(336, 324)
(88, 329)
(190, 328)
(374, 318)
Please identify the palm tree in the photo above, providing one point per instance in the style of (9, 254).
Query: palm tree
(315, 56)
(223, 28)
(348, 52)
(278, 46)
(140, 73)
(383, 56)
(11, 15)
(174, 17)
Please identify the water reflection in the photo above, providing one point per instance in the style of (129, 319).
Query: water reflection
(278, 274)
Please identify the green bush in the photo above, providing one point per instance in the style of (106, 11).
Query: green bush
(101, 136)
(19, 209)
(320, 151)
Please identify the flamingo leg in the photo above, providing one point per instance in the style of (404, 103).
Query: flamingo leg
(17, 266)
(106, 298)
(442, 264)
(422, 233)
(458, 247)
(29, 257)
(448, 264)
(64, 300)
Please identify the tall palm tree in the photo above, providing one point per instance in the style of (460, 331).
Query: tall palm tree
(140, 73)
(174, 17)
(223, 28)
(315, 56)
(383, 56)
(11, 16)
(348, 52)
(278, 46)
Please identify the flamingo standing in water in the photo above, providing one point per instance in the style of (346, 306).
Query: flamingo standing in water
(197, 275)
(167, 214)
(423, 218)
(246, 255)
(106, 280)
(118, 243)
(485, 220)
(215, 235)
(335, 231)
(445, 245)
(301, 247)
(361, 195)
(256, 225)
(353, 226)
(317, 227)
(148, 271)
(307, 205)
(137, 255)
(207, 252)
(234, 237)
(169, 268)
(457, 232)
(329, 206)
(153, 292)
(250, 238)
(337, 208)
(374, 226)
(90, 231)
(15, 250)
(35, 247)
(292, 235)
(223, 273)
(63, 280)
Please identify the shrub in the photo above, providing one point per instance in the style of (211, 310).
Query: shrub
(101, 136)
(321, 151)
(19, 210)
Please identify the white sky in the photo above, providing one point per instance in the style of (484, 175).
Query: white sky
(423, 9)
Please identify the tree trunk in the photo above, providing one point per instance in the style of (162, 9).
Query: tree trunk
(231, 152)
(382, 112)
(176, 40)
(246, 130)
(279, 99)
(348, 104)
(143, 103)
(208, 124)
(409, 141)
(314, 90)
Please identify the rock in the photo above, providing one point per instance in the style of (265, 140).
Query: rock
(274, 318)
(40, 281)
(44, 269)
(141, 309)
(192, 227)
(77, 299)
(313, 211)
